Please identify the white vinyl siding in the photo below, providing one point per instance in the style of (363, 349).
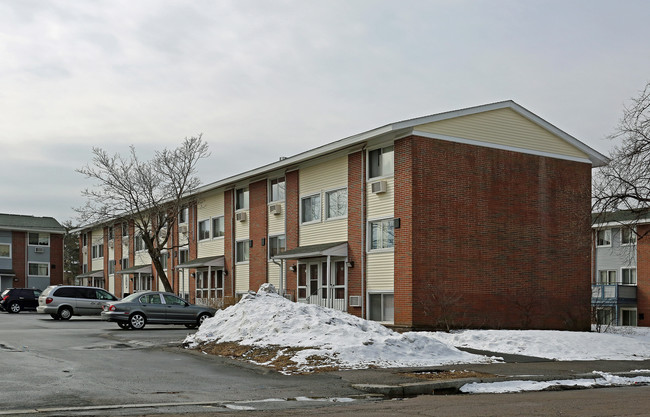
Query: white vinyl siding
(503, 127)
(242, 273)
(381, 205)
(209, 207)
(273, 274)
(381, 271)
(319, 179)
(276, 221)
(96, 239)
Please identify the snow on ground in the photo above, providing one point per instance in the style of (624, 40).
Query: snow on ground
(312, 336)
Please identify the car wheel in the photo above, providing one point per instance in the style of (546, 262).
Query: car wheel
(124, 325)
(65, 313)
(55, 316)
(14, 307)
(137, 321)
(203, 317)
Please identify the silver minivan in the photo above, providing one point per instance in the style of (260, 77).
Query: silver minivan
(64, 301)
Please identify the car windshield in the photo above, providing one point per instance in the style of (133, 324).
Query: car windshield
(48, 290)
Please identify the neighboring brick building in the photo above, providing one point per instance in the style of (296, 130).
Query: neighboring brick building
(31, 251)
(473, 218)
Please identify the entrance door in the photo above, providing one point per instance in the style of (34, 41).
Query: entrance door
(315, 288)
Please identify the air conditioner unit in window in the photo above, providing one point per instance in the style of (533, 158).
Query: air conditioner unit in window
(111, 243)
(378, 187)
(84, 250)
(39, 250)
(275, 209)
(355, 301)
(241, 216)
(182, 229)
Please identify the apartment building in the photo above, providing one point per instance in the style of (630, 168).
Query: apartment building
(621, 269)
(477, 217)
(31, 251)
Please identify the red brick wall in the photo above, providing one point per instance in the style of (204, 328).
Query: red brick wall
(498, 239)
(643, 275)
(258, 230)
(356, 219)
(19, 261)
(56, 259)
(229, 250)
(292, 213)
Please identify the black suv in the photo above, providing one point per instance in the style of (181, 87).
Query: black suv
(13, 300)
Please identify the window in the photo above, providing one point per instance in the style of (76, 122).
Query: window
(628, 236)
(204, 229)
(84, 237)
(218, 227)
(302, 281)
(5, 250)
(84, 270)
(381, 307)
(604, 316)
(209, 286)
(124, 263)
(310, 209)
(241, 199)
(125, 229)
(277, 189)
(336, 203)
(39, 269)
(98, 250)
(183, 215)
(39, 239)
(381, 162)
(382, 234)
(604, 237)
(277, 244)
(629, 276)
(628, 317)
(110, 233)
(111, 267)
(139, 243)
(241, 251)
(607, 277)
(164, 260)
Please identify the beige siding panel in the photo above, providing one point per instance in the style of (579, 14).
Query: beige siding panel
(273, 275)
(324, 232)
(111, 285)
(381, 205)
(141, 258)
(326, 176)
(97, 264)
(210, 206)
(503, 127)
(214, 247)
(381, 271)
(242, 272)
(241, 228)
(276, 221)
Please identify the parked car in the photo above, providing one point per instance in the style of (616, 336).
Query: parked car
(136, 310)
(64, 301)
(14, 300)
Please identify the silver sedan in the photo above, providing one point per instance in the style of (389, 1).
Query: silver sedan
(136, 310)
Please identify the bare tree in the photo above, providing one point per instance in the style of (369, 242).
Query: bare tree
(70, 253)
(149, 194)
(624, 184)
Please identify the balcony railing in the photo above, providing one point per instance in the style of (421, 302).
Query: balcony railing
(613, 292)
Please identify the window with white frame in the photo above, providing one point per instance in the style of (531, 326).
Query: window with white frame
(310, 209)
(183, 215)
(111, 235)
(628, 317)
(277, 244)
(39, 239)
(242, 251)
(628, 276)
(628, 236)
(39, 269)
(277, 189)
(381, 162)
(139, 243)
(604, 237)
(84, 270)
(5, 250)
(183, 255)
(125, 229)
(336, 203)
(241, 198)
(98, 250)
(204, 229)
(209, 286)
(381, 234)
(84, 238)
(604, 316)
(607, 277)
(164, 260)
(381, 307)
(111, 267)
(124, 263)
(218, 227)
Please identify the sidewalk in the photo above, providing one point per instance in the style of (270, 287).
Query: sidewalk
(406, 382)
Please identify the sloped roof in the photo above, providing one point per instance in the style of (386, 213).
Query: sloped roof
(620, 217)
(30, 223)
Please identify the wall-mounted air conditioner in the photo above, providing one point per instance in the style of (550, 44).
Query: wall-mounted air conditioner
(182, 229)
(111, 243)
(39, 250)
(355, 301)
(378, 187)
(275, 209)
(84, 250)
(241, 216)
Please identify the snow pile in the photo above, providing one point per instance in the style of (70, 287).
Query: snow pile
(632, 344)
(336, 338)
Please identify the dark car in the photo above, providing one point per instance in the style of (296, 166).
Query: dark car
(14, 300)
(136, 310)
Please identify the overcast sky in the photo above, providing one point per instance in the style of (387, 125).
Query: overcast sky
(264, 79)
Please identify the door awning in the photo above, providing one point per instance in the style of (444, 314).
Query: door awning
(213, 261)
(7, 272)
(315, 251)
(140, 269)
(92, 274)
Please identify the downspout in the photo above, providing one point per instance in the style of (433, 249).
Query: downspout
(281, 265)
(363, 233)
